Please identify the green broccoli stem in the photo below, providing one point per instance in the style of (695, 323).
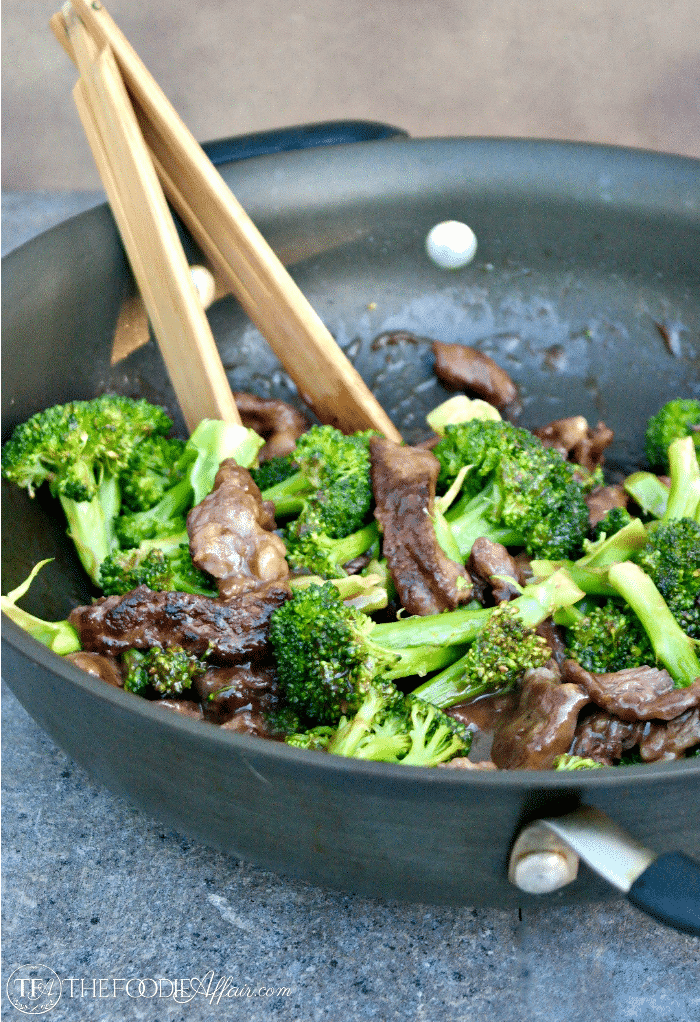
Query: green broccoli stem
(460, 627)
(469, 520)
(673, 648)
(684, 498)
(285, 495)
(59, 636)
(647, 490)
(590, 571)
(354, 545)
(91, 525)
(537, 603)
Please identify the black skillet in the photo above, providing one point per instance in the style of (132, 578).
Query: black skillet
(585, 287)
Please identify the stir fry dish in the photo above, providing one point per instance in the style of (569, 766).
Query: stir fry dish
(484, 600)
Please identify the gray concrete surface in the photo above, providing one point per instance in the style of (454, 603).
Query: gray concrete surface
(626, 72)
(94, 890)
(106, 897)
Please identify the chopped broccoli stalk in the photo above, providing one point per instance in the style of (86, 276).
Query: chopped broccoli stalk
(517, 491)
(673, 648)
(82, 450)
(163, 564)
(650, 492)
(568, 762)
(460, 408)
(671, 558)
(609, 638)
(331, 491)
(211, 443)
(677, 418)
(59, 636)
(168, 672)
(684, 495)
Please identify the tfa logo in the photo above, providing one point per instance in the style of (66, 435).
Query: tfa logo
(33, 989)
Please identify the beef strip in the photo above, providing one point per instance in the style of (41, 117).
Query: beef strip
(604, 738)
(403, 480)
(233, 630)
(543, 725)
(462, 368)
(99, 666)
(576, 440)
(491, 564)
(603, 499)
(278, 423)
(671, 739)
(225, 692)
(639, 693)
(185, 707)
(231, 534)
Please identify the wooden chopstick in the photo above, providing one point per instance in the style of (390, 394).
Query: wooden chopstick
(324, 376)
(148, 232)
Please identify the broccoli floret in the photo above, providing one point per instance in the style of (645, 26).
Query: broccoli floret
(274, 471)
(673, 648)
(281, 722)
(316, 738)
(568, 762)
(82, 449)
(167, 672)
(589, 572)
(517, 491)
(671, 558)
(210, 443)
(317, 553)
(609, 638)
(331, 491)
(166, 567)
(502, 651)
(60, 636)
(153, 468)
(677, 418)
(329, 655)
(392, 729)
(614, 520)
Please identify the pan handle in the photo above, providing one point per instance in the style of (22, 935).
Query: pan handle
(301, 136)
(546, 853)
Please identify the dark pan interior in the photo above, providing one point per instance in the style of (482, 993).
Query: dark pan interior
(585, 287)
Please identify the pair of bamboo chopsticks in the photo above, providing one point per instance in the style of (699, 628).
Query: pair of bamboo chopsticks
(143, 150)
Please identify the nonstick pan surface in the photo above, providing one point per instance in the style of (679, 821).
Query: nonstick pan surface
(585, 287)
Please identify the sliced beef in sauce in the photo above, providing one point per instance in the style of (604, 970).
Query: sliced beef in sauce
(639, 693)
(463, 368)
(605, 738)
(99, 666)
(185, 707)
(576, 440)
(228, 691)
(491, 565)
(277, 422)
(231, 534)
(603, 499)
(403, 480)
(232, 630)
(671, 739)
(543, 724)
